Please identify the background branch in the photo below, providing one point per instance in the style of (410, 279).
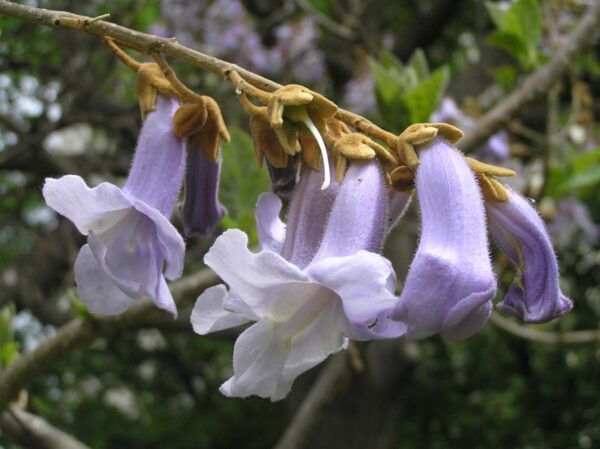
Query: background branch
(532, 87)
(536, 84)
(80, 332)
(551, 338)
(34, 432)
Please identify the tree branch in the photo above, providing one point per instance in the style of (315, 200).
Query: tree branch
(550, 338)
(34, 432)
(146, 43)
(532, 87)
(536, 84)
(309, 413)
(80, 332)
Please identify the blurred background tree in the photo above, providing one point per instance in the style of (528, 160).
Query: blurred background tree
(68, 106)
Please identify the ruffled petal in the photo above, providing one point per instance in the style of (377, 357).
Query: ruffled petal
(162, 297)
(265, 281)
(324, 336)
(271, 230)
(270, 355)
(208, 314)
(128, 253)
(364, 281)
(535, 295)
(258, 360)
(450, 280)
(172, 246)
(89, 209)
(96, 289)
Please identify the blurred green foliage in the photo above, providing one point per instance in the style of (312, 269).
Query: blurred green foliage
(9, 348)
(519, 29)
(407, 93)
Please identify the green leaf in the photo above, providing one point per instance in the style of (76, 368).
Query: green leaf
(519, 29)
(524, 19)
(387, 82)
(390, 61)
(505, 75)
(580, 174)
(586, 179)
(418, 62)
(511, 43)
(422, 100)
(497, 13)
(9, 352)
(582, 161)
(6, 315)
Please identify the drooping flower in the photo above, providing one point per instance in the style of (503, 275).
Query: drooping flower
(129, 234)
(202, 124)
(450, 284)
(201, 208)
(535, 295)
(316, 283)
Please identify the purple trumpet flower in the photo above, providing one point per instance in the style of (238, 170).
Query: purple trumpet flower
(201, 209)
(129, 234)
(317, 282)
(450, 285)
(535, 295)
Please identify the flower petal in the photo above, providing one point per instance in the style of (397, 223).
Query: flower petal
(450, 280)
(209, 315)
(128, 253)
(271, 230)
(364, 281)
(358, 218)
(258, 360)
(162, 297)
(307, 217)
(324, 336)
(159, 163)
(96, 289)
(270, 355)
(172, 246)
(201, 209)
(265, 281)
(98, 208)
(535, 294)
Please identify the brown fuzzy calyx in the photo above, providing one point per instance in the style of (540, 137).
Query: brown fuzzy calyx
(266, 141)
(151, 81)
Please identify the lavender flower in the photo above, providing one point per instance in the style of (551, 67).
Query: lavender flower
(535, 295)
(450, 284)
(496, 148)
(129, 234)
(316, 282)
(359, 94)
(201, 208)
(573, 221)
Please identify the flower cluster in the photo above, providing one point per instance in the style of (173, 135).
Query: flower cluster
(319, 279)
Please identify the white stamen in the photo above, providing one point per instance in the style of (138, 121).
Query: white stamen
(315, 132)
